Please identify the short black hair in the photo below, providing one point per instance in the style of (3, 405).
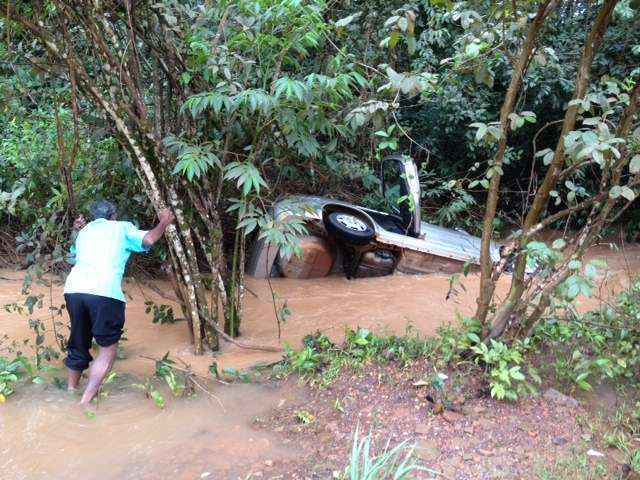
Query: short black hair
(102, 209)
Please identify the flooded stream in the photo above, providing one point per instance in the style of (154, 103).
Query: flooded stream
(43, 436)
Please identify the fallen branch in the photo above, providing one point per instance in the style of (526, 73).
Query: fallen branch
(248, 346)
(190, 376)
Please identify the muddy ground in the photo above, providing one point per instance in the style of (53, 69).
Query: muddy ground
(255, 431)
(475, 437)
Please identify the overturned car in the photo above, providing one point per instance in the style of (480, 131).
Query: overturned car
(362, 242)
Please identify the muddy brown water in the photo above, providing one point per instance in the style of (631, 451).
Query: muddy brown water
(43, 436)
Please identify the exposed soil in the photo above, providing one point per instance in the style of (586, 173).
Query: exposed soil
(473, 437)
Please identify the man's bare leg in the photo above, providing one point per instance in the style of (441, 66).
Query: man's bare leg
(100, 367)
(73, 379)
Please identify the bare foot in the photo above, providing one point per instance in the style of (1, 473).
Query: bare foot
(89, 409)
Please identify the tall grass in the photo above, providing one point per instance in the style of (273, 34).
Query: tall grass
(395, 463)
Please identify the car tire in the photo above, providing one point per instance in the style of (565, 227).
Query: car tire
(349, 228)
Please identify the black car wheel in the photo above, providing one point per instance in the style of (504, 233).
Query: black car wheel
(349, 228)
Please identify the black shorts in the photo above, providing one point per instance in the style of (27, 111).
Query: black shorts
(92, 316)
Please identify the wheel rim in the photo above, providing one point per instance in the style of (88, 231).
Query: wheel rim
(351, 222)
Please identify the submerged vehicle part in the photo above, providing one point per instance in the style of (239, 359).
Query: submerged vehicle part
(364, 242)
(315, 260)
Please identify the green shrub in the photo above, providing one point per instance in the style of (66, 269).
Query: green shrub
(598, 345)
(320, 361)
(504, 367)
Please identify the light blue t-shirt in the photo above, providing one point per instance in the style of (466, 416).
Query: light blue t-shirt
(99, 256)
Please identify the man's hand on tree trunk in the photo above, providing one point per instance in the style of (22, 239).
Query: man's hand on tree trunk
(79, 223)
(165, 218)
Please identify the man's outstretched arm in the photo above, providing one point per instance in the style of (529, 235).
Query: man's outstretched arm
(78, 225)
(165, 218)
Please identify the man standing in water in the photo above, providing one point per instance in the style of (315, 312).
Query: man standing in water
(93, 291)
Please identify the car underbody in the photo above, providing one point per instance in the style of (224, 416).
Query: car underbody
(435, 250)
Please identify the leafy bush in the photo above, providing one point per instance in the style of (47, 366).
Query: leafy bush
(504, 366)
(321, 361)
(453, 341)
(599, 345)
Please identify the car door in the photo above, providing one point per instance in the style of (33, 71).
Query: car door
(401, 192)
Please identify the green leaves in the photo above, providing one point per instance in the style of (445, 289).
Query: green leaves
(215, 101)
(574, 286)
(251, 100)
(518, 120)
(504, 365)
(542, 254)
(193, 161)
(598, 144)
(622, 191)
(11, 372)
(408, 83)
(547, 155)
(343, 22)
(9, 200)
(472, 50)
(388, 142)
(247, 176)
(488, 133)
(362, 114)
(255, 100)
(484, 74)
(291, 89)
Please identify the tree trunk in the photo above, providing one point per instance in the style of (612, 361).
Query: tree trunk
(594, 39)
(487, 283)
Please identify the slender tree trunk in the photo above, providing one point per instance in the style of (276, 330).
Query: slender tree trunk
(594, 39)
(487, 284)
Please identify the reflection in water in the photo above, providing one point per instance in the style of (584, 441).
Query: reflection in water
(44, 436)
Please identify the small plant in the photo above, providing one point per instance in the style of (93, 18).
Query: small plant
(504, 365)
(304, 417)
(178, 380)
(635, 462)
(598, 345)
(165, 369)
(13, 371)
(10, 374)
(320, 361)
(150, 391)
(303, 361)
(452, 342)
(392, 463)
(161, 313)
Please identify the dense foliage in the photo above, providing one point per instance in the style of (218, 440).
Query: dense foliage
(316, 153)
